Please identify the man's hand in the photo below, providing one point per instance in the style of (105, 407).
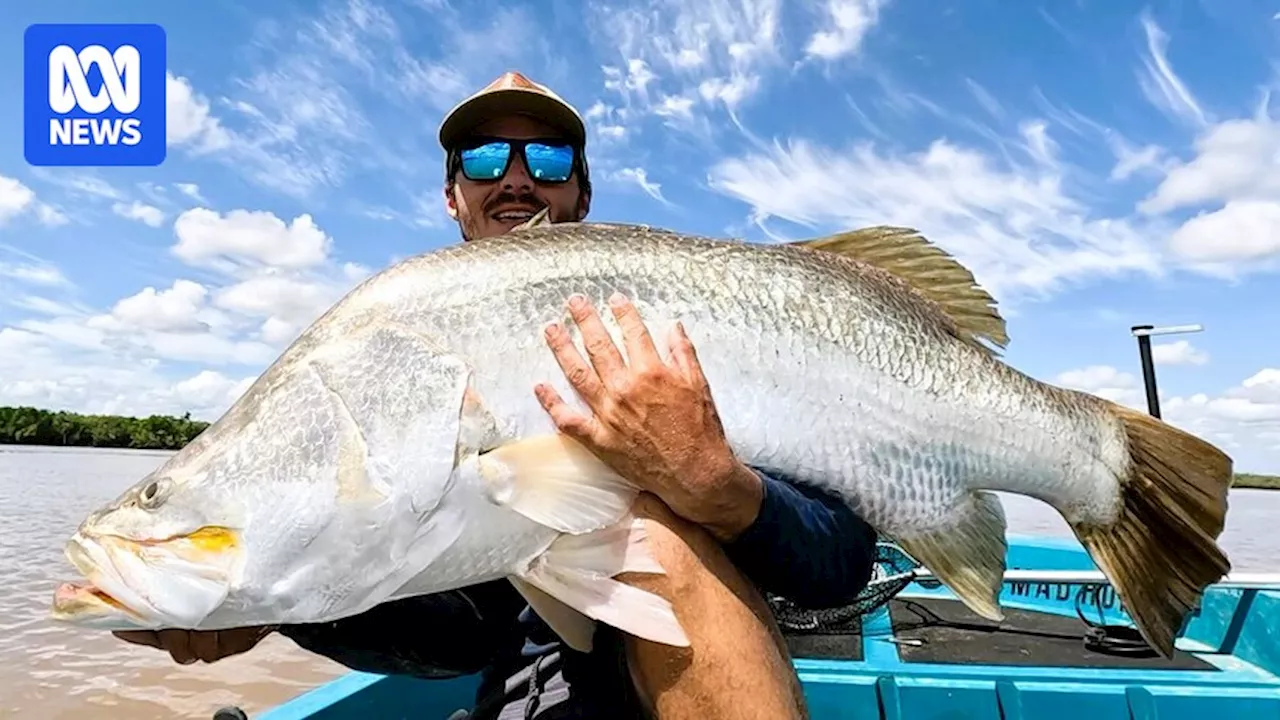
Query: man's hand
(653, 422)
(188, 646)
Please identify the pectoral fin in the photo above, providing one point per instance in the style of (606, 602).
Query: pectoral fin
(554, 480)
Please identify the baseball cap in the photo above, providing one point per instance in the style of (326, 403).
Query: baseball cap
(512, 92)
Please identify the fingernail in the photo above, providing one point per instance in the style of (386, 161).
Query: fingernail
(617, 299)
(551, 330)
(577, 301)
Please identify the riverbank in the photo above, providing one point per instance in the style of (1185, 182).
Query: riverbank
(1257, 482)
(59, 428)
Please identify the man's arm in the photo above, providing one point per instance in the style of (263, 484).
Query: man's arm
(433, 636)
(806, 545)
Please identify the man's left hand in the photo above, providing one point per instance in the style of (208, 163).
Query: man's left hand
(652, 421)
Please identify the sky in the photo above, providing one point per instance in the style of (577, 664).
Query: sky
(1097, 164)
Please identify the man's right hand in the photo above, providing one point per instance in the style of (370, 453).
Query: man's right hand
(188, 646)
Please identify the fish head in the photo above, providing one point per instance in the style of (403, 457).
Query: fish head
(165, 553)
(313, 497)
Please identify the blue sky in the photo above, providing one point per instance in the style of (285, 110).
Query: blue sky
(1097, 164)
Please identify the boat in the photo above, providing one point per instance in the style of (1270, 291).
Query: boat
(909, 649)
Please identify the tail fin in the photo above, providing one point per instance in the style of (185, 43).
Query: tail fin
(1162, 551)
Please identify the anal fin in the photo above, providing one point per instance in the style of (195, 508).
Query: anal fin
(577, 630)
(577, 572)
(968, 555)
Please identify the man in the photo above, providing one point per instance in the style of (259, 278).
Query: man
(722, 531)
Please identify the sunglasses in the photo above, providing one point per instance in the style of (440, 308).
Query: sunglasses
(487, 159)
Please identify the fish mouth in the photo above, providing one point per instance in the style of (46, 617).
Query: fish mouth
(174, 582)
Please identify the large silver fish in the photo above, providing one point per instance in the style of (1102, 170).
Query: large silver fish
(396, 448)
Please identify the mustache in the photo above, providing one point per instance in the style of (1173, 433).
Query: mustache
(509, 198)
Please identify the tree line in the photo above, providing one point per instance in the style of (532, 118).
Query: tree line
(33, 426)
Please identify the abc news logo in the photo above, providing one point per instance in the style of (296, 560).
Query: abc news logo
(94, 95)
(69, 89)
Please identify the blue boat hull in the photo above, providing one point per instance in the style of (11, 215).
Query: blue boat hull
(1231, 666)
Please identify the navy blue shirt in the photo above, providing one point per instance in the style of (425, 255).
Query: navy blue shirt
(805, 545)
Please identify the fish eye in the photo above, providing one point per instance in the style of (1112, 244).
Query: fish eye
(152, 494)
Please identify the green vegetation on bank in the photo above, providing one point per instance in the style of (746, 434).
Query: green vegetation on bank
(33, 426)
(1263, 482)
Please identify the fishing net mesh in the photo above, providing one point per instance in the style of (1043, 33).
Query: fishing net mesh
(891, 573)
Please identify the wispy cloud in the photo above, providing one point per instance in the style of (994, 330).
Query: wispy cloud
(1159, 83)
(142, 212)
(668, 57)
(638, 177)
(1012, 223)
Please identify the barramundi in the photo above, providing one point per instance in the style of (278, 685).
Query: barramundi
(396, 448)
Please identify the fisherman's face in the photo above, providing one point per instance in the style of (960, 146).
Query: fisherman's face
(489, 208)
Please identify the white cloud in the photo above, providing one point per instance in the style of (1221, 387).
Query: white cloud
(1105, 382)
(849, 21)
(36, 370)
(188, 121)
(1179, 352)
(191, 190)
(1234, 171)
(1243, 420)
(16, 199)
(176, 309)
(1241, 232)
(272, 278)
(142, 212)
(245, 238)
(1235, 160)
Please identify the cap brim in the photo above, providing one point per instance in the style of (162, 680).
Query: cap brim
(468, 115)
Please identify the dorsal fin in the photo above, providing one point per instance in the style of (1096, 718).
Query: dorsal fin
(908, 255)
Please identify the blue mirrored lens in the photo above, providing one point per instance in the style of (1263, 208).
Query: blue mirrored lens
(487, 162)
(549, 163)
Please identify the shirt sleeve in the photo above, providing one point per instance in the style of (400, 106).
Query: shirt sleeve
(431, 636)
(806, 545)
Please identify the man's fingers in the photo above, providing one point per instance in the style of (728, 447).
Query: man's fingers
(685, 357)
(573, 424)
(604, 354)
(635, 336)
(577, 371)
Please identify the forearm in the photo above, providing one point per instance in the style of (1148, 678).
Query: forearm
(806, 545)
(433, 636)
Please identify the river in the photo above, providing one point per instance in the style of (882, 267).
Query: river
(54, 671)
